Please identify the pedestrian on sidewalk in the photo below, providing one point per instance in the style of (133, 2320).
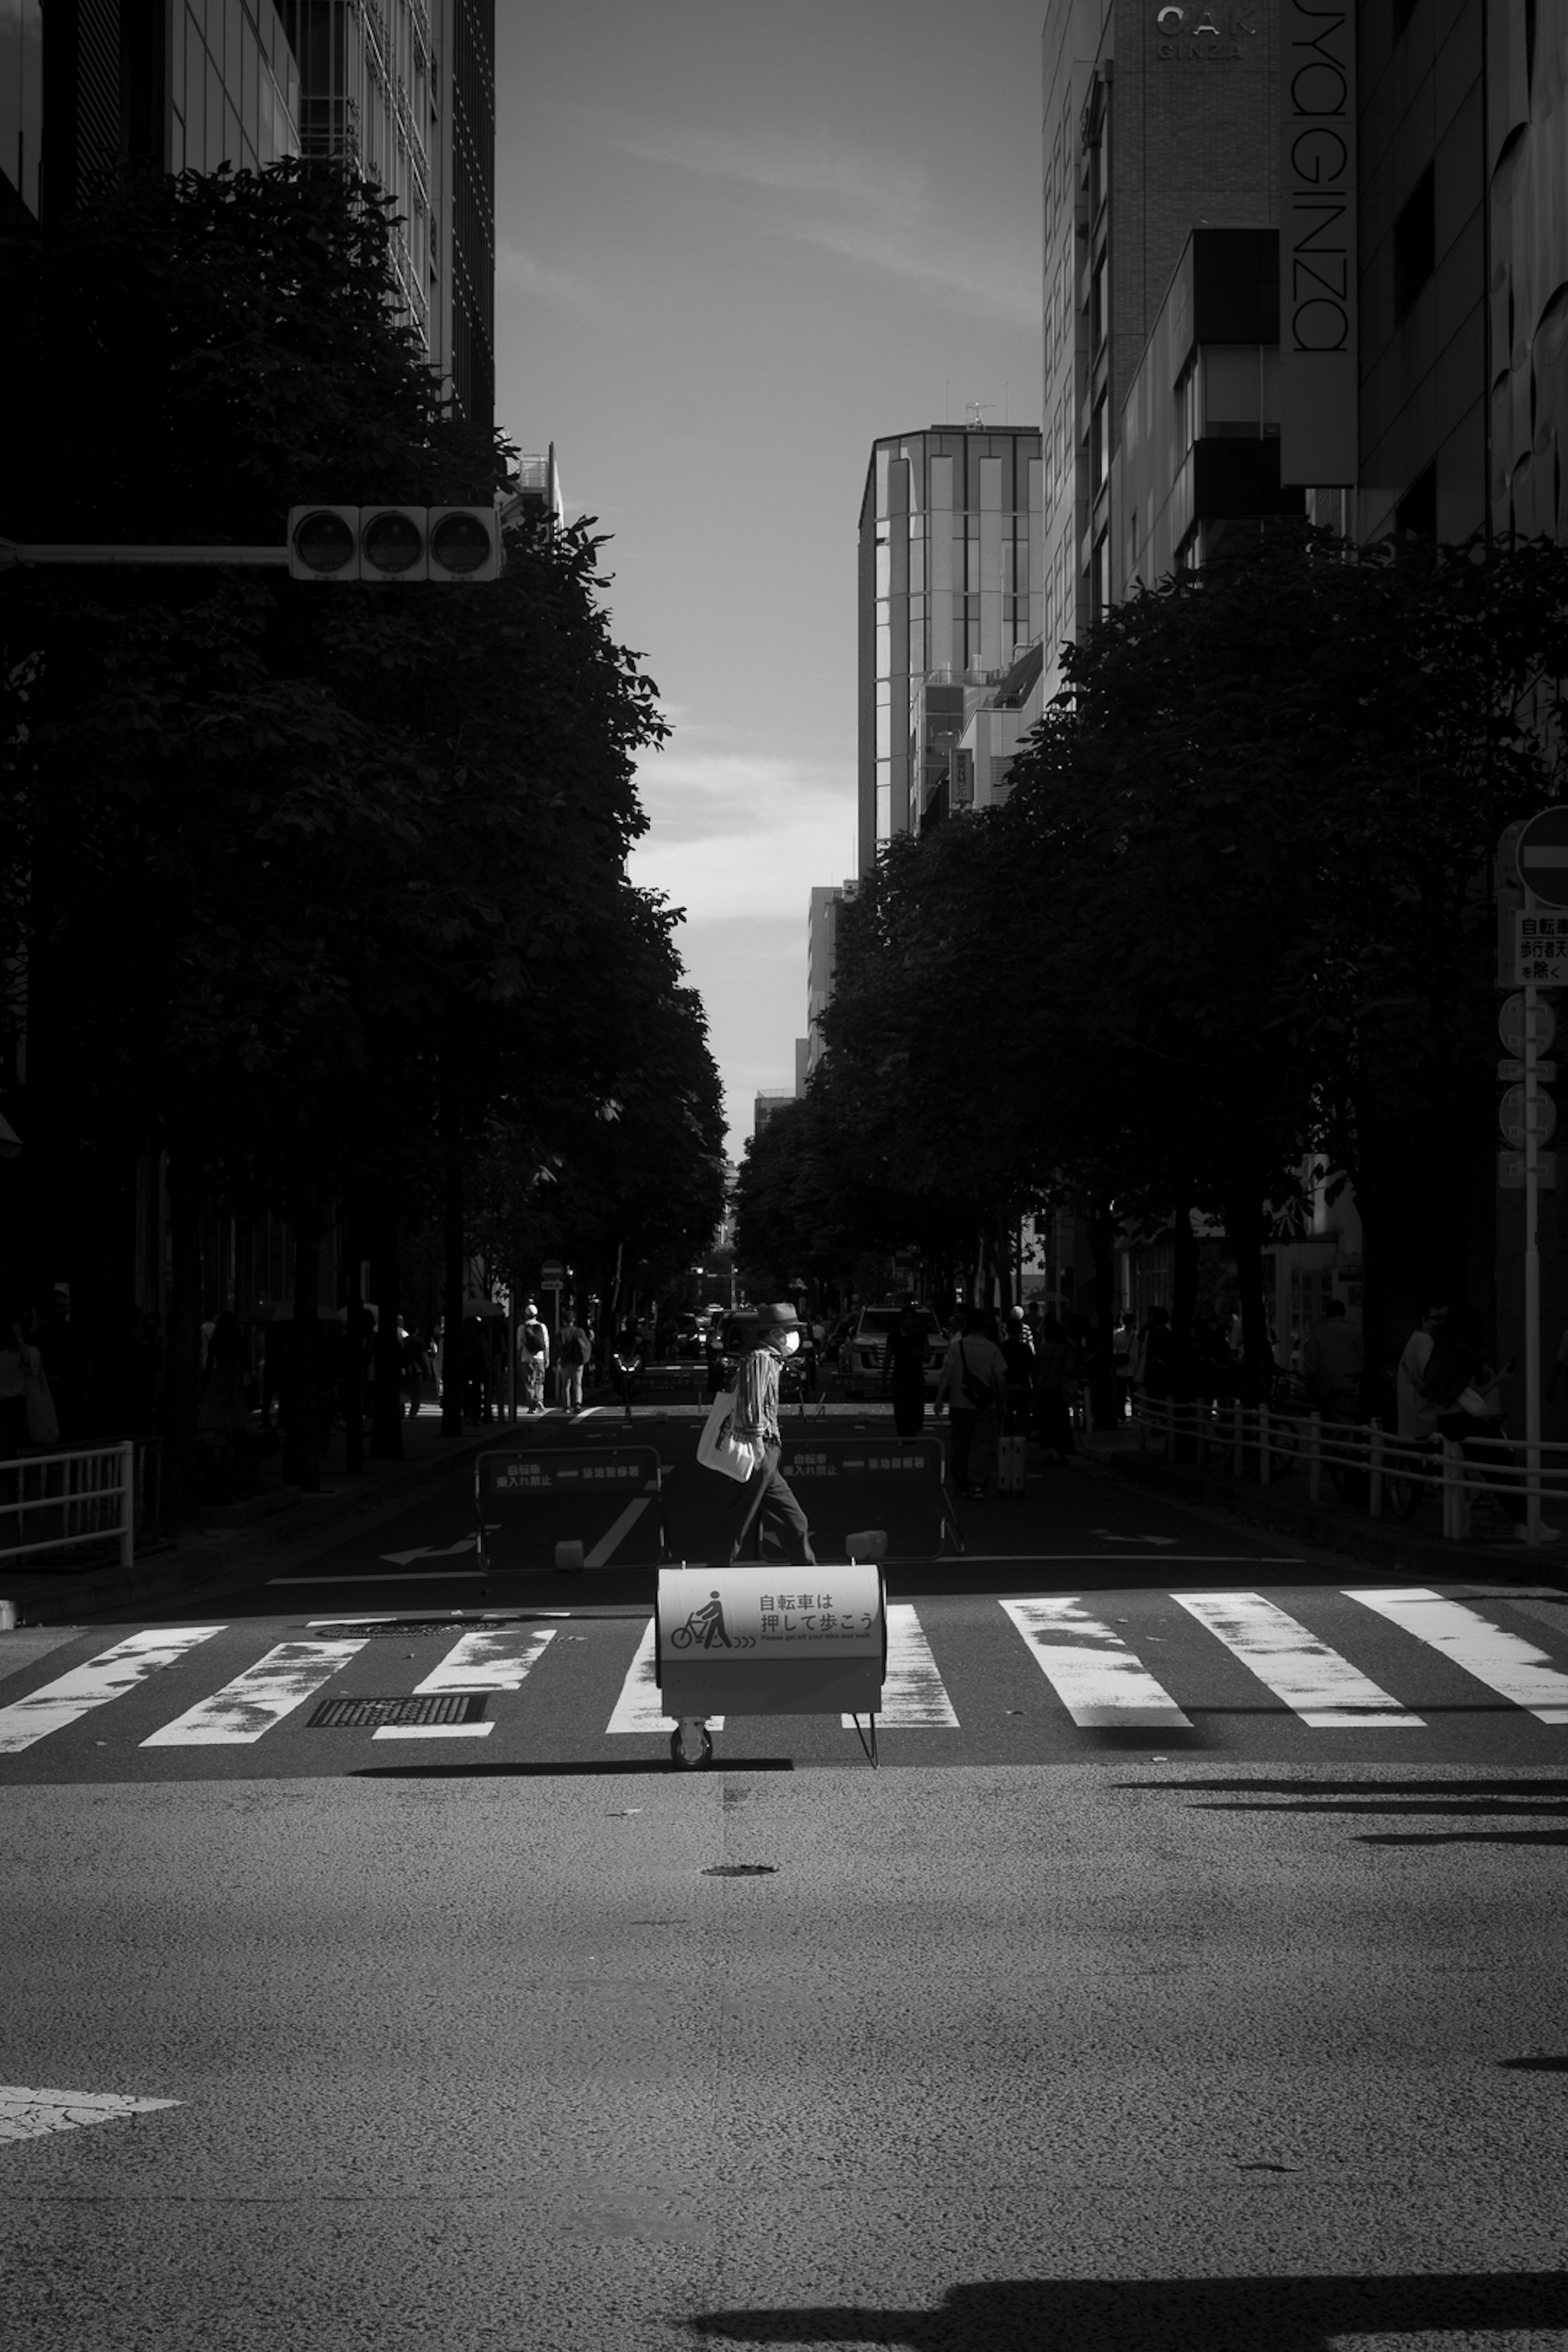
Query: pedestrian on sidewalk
(1018, 1353)
(765, 1506)
(532, 1356)
(1123, 1339)
(974, 1387)
(1332, 1360)
(572, 1348)
(1056, 1372)
(1418, 1413)
(904, 1372)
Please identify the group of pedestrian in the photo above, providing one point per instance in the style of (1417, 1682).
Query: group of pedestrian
(1444, 1389)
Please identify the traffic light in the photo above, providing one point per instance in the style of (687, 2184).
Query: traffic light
(394, 543)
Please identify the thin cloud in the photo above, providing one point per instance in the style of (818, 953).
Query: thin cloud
(882, 216)
(523, 273)
(743, 833)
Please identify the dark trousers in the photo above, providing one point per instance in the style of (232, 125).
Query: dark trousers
(909, 1408)
(765, 1507)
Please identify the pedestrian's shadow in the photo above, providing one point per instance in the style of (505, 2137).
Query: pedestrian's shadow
(1244, 2314)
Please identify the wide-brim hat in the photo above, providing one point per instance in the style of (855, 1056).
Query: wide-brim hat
(780, 1315)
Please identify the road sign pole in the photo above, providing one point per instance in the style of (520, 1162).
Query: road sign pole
(1532, 1274)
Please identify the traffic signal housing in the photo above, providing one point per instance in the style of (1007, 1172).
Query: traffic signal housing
(393, 545)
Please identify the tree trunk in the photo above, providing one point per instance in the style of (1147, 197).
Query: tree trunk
(303, 1440)
(452, 1301)
(182, 1358)
(1244, 1226)
(1184, 1298)
(386, 1357)
(354, 1368)
(1104, 1401)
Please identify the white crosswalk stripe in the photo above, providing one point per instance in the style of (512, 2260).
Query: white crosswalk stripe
(1101, 1683)
(246, 1708)
(1507, 1664)
(914, 1698)
(494, 1658)
(639, 1706)
(107, 1676)
(1324, 1689)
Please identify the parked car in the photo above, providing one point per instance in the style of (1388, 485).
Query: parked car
(860, 1354)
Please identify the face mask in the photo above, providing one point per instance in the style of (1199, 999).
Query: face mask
(789, 1341)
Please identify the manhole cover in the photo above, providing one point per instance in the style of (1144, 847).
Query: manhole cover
(362, 1713)
(741, 1870)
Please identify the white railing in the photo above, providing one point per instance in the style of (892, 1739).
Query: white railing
(1365, 1466)
(61, 1500)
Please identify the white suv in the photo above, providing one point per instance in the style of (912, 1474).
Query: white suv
(860, 1357)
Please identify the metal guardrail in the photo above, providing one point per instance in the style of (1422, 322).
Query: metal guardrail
(1366, 1466)
(69, 1497)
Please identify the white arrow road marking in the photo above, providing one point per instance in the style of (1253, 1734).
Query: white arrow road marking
(429, 1552)
(250, 1706)
(104, 1678)
(640, 1706)
(1504, 1661)
(914, 1696)
(1324, 1689)
(1098, 1681)
(27, 2114)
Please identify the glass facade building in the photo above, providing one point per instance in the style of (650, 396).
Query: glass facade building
(948, 590)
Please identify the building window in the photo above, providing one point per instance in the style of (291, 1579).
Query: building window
(1100, 577)
(1415, 243)
(1100, 444)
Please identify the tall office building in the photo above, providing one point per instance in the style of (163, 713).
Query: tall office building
(1159, 122)
(949, 595)
(403, 93)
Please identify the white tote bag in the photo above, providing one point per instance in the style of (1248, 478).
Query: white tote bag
(719, 1448)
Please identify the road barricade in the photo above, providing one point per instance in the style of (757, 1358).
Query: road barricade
(769, 1641)
(899, 1484)
(539, 1507)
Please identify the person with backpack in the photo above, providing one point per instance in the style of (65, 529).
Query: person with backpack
(1460, 1389)
(573, 1346)
(973, 1386)
(532, 1358)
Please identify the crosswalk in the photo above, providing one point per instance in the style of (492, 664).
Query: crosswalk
(1098, 1679)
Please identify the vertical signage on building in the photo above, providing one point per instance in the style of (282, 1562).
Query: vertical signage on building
(1318, 405)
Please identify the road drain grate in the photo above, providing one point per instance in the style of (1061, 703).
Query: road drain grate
(367, 1713)
(401, 1626)
(741, 1870)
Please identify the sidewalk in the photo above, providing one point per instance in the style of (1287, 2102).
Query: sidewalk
(1390, 1546)
(284, 1528)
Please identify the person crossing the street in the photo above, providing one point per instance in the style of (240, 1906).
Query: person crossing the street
(765, 1506)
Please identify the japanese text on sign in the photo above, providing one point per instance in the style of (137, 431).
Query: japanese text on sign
(1541, 948)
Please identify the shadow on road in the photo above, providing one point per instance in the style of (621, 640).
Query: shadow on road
(1285, 2315)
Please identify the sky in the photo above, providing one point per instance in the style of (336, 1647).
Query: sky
(735, 244)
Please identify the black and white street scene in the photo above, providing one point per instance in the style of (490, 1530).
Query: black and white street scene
(784, 1291)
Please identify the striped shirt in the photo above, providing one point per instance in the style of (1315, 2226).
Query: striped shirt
(757, 1397)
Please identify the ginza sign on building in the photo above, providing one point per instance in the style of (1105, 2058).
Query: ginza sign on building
(1318, 409)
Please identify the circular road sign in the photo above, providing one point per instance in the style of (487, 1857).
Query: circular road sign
(1511, 1023)
(1543, 855)
(1510, 1112)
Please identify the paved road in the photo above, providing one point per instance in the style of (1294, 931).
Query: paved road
(1146, 2059)
(1192, 1979)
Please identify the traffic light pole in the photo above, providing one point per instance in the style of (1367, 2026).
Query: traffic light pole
(12, 555)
